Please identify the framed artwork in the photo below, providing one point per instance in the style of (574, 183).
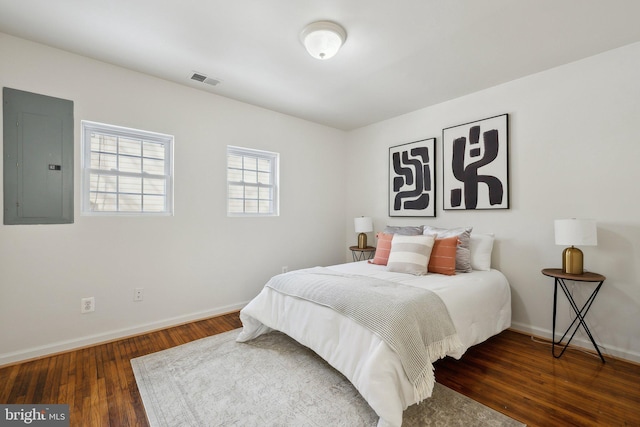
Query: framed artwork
(476, 165)
(412, 179)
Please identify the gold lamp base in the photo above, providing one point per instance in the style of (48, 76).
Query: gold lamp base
(362, 241)
(572, 261)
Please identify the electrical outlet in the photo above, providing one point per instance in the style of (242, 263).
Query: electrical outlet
(285, 269)
(138, 294)
(87, 305)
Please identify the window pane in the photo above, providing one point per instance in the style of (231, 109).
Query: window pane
(234, 161)
(250, 177)
(264, 165)
(130, 202)
(104, 161)
(251, 192)
(236, 191)
(251, 206)
(153, 166)
(130, 164)
(103, 183)
(130, 184)
(265, 206)
(153, 150)
(103, 202)
(234, 175)
(264, 178)
(250, 163)
(236, 206)
(265, 193)
(154, 203)
(130, 147)
(154, 186)
(104, 143)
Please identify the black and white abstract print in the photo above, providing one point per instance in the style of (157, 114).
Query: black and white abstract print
(475, 165)
(412, 179)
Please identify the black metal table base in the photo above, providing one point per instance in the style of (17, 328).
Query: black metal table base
(577, 322)
(361, 255)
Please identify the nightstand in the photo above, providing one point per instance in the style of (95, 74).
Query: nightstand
(581, 313)
(361, 254)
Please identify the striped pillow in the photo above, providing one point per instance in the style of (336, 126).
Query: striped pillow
(463, 254)
(410, 254)
(443, 256)
(383, 247)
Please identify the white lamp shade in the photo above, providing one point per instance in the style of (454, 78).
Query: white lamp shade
(363, 224)
(576, 232)
(323, 39)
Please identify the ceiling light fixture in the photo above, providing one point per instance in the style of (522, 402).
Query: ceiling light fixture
(323, 39)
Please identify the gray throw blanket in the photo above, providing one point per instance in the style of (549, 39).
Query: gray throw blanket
(414, 322)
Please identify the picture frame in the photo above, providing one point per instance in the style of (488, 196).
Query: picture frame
(476, 165)
(412, 186)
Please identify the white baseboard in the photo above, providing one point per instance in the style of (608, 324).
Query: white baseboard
(605, 349)
(89, 340)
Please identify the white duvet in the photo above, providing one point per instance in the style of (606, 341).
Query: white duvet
(479, 304)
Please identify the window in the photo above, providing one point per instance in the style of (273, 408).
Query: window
(252, 182)
(126, 171)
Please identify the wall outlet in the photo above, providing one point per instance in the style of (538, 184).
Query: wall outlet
(138, 294)
(285, 269)
(87, 305)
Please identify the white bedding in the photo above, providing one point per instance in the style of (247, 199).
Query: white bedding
(479, 304)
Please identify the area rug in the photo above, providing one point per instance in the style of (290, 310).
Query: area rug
(274, 381)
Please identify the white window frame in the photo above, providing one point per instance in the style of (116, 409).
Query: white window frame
(166, 141)
(273, 185)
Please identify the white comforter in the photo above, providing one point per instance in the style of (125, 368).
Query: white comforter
(479, 304)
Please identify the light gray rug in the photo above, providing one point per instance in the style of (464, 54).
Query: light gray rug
(274, 381)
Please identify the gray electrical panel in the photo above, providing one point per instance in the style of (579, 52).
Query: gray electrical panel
(38, 158)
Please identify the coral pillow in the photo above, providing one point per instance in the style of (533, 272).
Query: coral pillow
(383, 247)
(443, 256)
(463, 254)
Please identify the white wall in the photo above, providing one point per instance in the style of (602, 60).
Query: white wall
(574, 146)
(194, 264)
(574, 152)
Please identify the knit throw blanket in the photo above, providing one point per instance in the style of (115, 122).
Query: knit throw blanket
(414, 322)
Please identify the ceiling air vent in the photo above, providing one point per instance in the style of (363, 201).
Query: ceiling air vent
(199, 77)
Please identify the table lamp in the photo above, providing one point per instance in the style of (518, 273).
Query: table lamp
(574, 232)
(363, 225)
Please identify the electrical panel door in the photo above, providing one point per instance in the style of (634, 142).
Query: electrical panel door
(38, 158)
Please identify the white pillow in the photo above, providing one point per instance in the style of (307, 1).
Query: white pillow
(481, 246)
(410, 254)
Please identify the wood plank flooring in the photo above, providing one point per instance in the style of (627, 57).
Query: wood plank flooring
(510, 373)
(518, 376)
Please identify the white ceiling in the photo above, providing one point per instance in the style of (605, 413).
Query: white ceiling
(399, 56)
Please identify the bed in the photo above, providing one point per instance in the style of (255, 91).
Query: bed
(478, 302)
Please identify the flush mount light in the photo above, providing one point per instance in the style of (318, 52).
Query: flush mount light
(323, 39)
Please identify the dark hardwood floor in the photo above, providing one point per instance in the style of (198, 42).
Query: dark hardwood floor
(510, 373)
(517, 375)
